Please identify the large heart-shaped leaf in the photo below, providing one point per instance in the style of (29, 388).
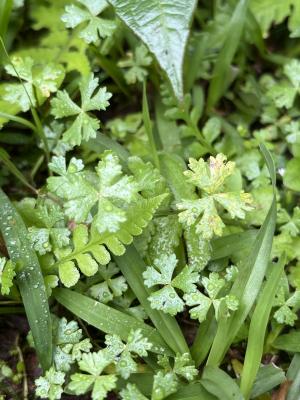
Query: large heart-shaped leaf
(164, 27)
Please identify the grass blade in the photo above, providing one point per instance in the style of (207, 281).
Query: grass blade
(29, 279)
(220, 384)
(221, 71)
(204, 339)
(258, 326)
(132, 266)
(5, 10)
(4, 157)
(231, 244)
(194, 391)
(108, 319)
(268, 377)
(17, 119)
(103, 142)
(249, 280)
(293, 374)
(148, 128)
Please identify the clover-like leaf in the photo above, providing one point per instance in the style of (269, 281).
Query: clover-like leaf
(166, 298)
(68, 346)
(284, 93)
(135, 65)
(131, 392)
(49, 230)
(110, 286)
(94, 380)
(183, 366)
(201, 302)
(50, 385)
(204, 212)
(108, 188)
(123, 355)
(286, 313)
(164, 384)
(42, 80)
(84, 126)
(95, 26)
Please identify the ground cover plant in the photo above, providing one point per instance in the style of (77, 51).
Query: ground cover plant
(149, 200)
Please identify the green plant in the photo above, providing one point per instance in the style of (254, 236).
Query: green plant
(149, 210)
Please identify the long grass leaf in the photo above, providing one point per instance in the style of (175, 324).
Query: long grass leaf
(29, 279)
(192, 392)
(204, 339)
(132, 267)
(5, 10)
(258, 326)
(232, 244)
(4, 157)
(148, 127)
(20, 120)
(108, 319)
(293, 374)
(268, 377)
(220, 384)
(249, 280)
(103, 142)
(221, 71)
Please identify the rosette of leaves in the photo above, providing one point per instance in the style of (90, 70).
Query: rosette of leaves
(167, 299)
(124, 354)
(135, 64)
(86, 17)
(110, 286)
(83, 127)
(201, 303)
(209, 177)
(38, 81)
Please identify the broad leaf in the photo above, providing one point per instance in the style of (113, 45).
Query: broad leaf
(170, 21)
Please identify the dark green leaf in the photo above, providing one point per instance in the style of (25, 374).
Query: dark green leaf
(164, 28)
(29, 279)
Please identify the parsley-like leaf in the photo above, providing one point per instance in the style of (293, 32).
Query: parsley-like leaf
(35, 79)
(84, 126)
(50, 385)
(95, 26)
(210, 178)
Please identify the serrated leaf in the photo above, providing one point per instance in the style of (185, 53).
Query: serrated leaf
(203, 213)
(168, 43)
(95, 26)
(84, 126)
(50, 385)
(44, 81)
